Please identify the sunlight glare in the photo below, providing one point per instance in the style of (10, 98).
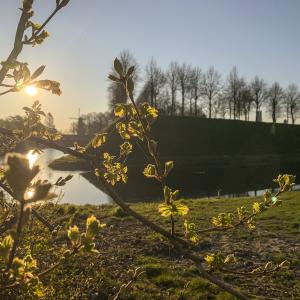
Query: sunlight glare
(32, 157)
(31, 90)
(29, 194)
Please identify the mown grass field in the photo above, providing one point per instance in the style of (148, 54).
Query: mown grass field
(126, 244)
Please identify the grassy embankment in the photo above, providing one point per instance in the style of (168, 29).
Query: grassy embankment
(126, 244)
(190, 139)
(209, 155)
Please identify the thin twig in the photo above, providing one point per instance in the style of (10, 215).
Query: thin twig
(175, 240)
(5, 92)
(237, 224)
(50, 144)
(42, 26)
(34, 212)
(17, 236)
(261, 273)
(6, 85)
(155, 155)
(41, 274)
(18, 45)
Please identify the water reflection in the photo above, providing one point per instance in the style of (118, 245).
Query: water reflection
(77, 191)
(215, 182)
(32, 157)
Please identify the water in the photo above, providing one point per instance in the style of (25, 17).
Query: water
(214, 183)
(77, 191)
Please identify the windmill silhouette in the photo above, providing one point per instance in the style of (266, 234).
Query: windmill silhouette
(80, 124)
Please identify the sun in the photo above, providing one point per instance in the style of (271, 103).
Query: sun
(31, 90)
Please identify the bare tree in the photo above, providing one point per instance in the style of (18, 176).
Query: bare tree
(184, 73)
(232, 89)
(210, 86)
(258, 90)
(189, 95)
(13, 122)
(49, 122)
(245, 101)
(164, 102)
(195, 81)
(144, 95)
(155, 80)
(292, 102)
(116, 91)
(172, 82)
(275, 97)
(219, 107)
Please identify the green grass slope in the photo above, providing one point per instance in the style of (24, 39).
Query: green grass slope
(125, 244)
(190, 139)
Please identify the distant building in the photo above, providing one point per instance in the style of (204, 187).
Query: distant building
(80, 127)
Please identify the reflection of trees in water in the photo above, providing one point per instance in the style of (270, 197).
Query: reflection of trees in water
(228, 182)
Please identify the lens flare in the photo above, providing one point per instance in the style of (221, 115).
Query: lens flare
(31, 90)
(29, 194)
(32, 157)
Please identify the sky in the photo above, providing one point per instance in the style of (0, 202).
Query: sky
(260, 37)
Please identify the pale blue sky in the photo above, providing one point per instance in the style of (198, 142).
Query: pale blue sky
(258, 36)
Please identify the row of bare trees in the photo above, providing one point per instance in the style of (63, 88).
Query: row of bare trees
(183, 89)
(91, 123)
(17, 122)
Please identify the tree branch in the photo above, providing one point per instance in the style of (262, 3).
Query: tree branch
(18, 42)
(18, 45)
(17, 236)
(177, 242)
(43, 25)
(12, 221)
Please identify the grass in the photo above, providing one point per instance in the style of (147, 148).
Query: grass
(219, 141)
(125, 244)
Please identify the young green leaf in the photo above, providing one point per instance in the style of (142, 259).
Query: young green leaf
(190, 231)
(168, 167)
(150, 171)
(120, 110)
(38, 72)
(113, 78)
(130, 71)
(125, 149)
(130, 86)
(118, 66)
(99, 140)
(5, 246)
(167, 210)
(152, 146)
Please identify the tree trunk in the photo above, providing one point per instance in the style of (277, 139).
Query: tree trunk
(183, 100)
(256, 111)
(274, 112)
(292, 116)
(191, 107)
(209, 108)
(234, 108)
(196, 105)
(173, 103)
(151, 95)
